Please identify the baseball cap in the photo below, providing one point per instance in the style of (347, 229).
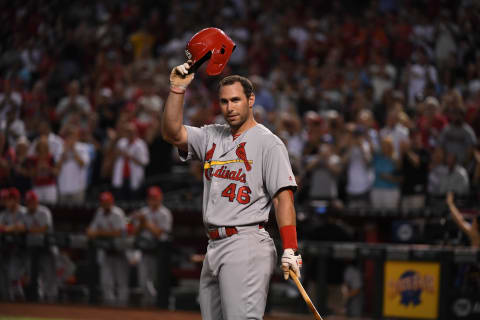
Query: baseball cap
(31, 196)
(106, 197)
(155, 192)
(13, 193)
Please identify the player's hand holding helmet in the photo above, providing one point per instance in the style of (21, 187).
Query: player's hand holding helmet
(180, 78)
(291, 261)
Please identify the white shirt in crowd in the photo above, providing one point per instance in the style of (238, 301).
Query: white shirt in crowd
(398, 134)
(55, 146)
(139, 150)
(72, 177)
(359, 175)
(17, 100)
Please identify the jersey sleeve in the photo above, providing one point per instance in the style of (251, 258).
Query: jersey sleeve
(119, 222)
(95, 222)
(45, 218)
(277, 171)
(168, 219)
(196, 138)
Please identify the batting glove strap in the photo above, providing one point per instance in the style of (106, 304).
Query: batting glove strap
(291, 261)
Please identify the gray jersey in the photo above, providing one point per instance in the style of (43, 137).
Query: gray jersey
(8, 218)
(113, 221)
(160, 218)
(241, 176)
(40, 218)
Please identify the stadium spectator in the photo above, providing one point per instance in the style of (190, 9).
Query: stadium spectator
(421, 74)
(109, 224)
(289, 129)
(20, 170)
(55, 142)
(431, 122)
(152, 223)
(74, 104)
(323, 171)
(10, 102)
(414, 172)
(356, 158)
(458, 137)
(7, 155)
(72, 169)
(383, 76)
(38, 221)
(131, 157)
(44, 172)
(446, 174)
(385, 193)
(395, 129)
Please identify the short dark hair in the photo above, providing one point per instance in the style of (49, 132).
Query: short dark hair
(246, 84)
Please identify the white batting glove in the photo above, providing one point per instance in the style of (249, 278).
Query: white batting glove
(291, 261)
(179, 77)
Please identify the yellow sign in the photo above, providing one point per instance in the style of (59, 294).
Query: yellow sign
(411, 289)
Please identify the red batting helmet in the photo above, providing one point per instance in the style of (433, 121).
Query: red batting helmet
(213, 44)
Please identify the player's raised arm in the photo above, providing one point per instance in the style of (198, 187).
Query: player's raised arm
(171, 123)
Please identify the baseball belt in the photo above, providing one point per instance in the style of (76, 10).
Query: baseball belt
(225, 232)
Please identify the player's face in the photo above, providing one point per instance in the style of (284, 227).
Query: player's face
(154, 202)
(32, 206)
(236, 107)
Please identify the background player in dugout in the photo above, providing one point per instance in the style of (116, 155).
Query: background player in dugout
(238, 264)
(152, 223)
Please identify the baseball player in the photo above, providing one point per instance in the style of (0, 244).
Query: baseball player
(152, 223)
(110, 223)
(12, 261)
(246, 170)
(38, 220)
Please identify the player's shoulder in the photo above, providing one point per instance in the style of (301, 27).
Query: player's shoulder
(118, 211)
(165, 210)
(266, 137)
(43, 209)
(216, 129)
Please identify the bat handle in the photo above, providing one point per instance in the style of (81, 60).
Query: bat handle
(305, 296)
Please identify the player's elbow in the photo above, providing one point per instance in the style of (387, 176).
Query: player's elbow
(174, 136)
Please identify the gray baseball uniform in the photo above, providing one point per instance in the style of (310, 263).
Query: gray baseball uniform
(148, 266)
(113, 265)
(47, 279)
(241, 176)
(12, 263)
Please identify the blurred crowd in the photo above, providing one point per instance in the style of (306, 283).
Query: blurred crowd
(377, 101)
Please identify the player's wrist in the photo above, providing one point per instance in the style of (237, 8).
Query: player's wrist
(178, 89)
(288, 234)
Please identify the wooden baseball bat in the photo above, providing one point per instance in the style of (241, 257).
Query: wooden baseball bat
(305, 296)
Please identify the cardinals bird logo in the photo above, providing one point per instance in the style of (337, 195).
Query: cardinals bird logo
(242, 155)
(208, 157)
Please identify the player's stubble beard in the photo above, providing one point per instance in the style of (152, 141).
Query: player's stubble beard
(241, 117)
